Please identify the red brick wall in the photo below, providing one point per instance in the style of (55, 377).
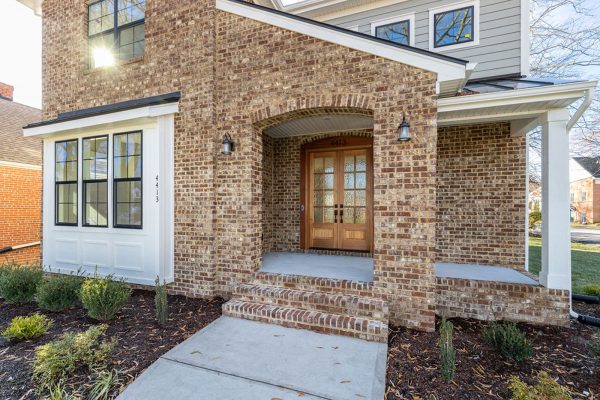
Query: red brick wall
(20, 212)
(592, 203)
(6, 91)
(481, 197)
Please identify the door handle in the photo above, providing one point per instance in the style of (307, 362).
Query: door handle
(335, 214)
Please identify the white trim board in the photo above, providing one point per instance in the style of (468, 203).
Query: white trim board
(112, 119)
(446, 70)
(399, 18)
(451, 7)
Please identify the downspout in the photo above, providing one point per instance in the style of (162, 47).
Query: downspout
(589, 98)
(20, 246)
(470, 67)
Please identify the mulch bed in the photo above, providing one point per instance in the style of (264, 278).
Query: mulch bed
(413, 362)
(140, 340)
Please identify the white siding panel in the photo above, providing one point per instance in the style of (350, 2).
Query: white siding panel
(499, 51)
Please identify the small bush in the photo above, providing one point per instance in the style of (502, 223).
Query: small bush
(447, 351)
(19, 283)
(27, 328)
(161, 303)
(57, 392)
(508, 340)
(104, 297)
(56, 360)
(593, 290)
(59, 292)
(534, 217)
(545, 389)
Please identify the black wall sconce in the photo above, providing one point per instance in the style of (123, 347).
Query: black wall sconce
(227, 145)
(404, 130)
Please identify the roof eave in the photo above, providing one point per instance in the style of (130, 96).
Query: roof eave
(35, 5)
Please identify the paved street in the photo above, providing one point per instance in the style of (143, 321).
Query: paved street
(587, 236)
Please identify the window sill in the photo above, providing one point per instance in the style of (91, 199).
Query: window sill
(117, 64)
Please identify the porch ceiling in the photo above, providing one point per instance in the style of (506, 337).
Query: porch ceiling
(525, 105)
(316, 124)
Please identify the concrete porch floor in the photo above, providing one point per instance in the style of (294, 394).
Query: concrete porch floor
(235, 359)
(361, 268)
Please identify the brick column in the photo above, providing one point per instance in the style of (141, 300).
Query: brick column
(404, 214)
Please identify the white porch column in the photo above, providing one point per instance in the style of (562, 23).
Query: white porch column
(556, 233)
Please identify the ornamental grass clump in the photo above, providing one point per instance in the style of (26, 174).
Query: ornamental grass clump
(508, 340)
(57, 359)
(27, 328)
(18, 284)
(161, 302)
(447, 351)
(104, 297)
(546, 388)
(59, 292)
(592, 290)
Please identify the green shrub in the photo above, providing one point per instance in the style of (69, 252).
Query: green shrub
(161, 302)
(19, 283)
(593, 290)
(59, 292)
(534, 217)
(58, 392)
(104, 297)
(508, 340)
(545, 389)
(447, 351)
(57, 359)
(26, 328)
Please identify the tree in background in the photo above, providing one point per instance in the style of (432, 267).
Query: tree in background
(565, 45)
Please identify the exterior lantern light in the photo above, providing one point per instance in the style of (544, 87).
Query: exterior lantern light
(227, 145)
(404, 130)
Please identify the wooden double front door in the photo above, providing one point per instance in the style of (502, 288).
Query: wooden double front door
(339, 197)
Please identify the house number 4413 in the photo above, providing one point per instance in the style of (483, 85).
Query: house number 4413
(156, 185)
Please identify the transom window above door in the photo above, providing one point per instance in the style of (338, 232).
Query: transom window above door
(397, 29)
(115, 31)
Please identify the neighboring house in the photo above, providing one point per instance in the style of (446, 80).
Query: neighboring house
(220, 137)
(20, 182)
(585, 189)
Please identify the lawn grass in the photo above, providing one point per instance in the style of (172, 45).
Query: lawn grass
(585, 262)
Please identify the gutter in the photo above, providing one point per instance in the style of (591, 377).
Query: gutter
(469, 69)
(589, 98)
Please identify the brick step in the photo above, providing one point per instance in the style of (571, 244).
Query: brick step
(334, 303)
(327, 285)
(360, 328)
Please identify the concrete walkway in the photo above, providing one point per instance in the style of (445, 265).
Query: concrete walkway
(238, 359)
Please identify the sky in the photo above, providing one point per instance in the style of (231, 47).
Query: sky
(21, 52)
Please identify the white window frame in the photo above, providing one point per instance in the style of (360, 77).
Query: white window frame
(451, 7)
(398, 18)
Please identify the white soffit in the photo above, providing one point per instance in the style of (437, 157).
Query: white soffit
(510, 104)
(315, 124)
(446, 70)
(35, 5)
(114, 119)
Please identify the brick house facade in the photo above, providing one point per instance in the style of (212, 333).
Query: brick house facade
(585, 189)
(20, 182)
(229, 70)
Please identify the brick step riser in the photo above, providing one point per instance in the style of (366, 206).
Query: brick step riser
(314, 321)
(308, 284)
(364, 309)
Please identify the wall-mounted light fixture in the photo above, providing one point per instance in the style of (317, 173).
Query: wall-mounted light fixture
(404, 130)
(227, 145)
